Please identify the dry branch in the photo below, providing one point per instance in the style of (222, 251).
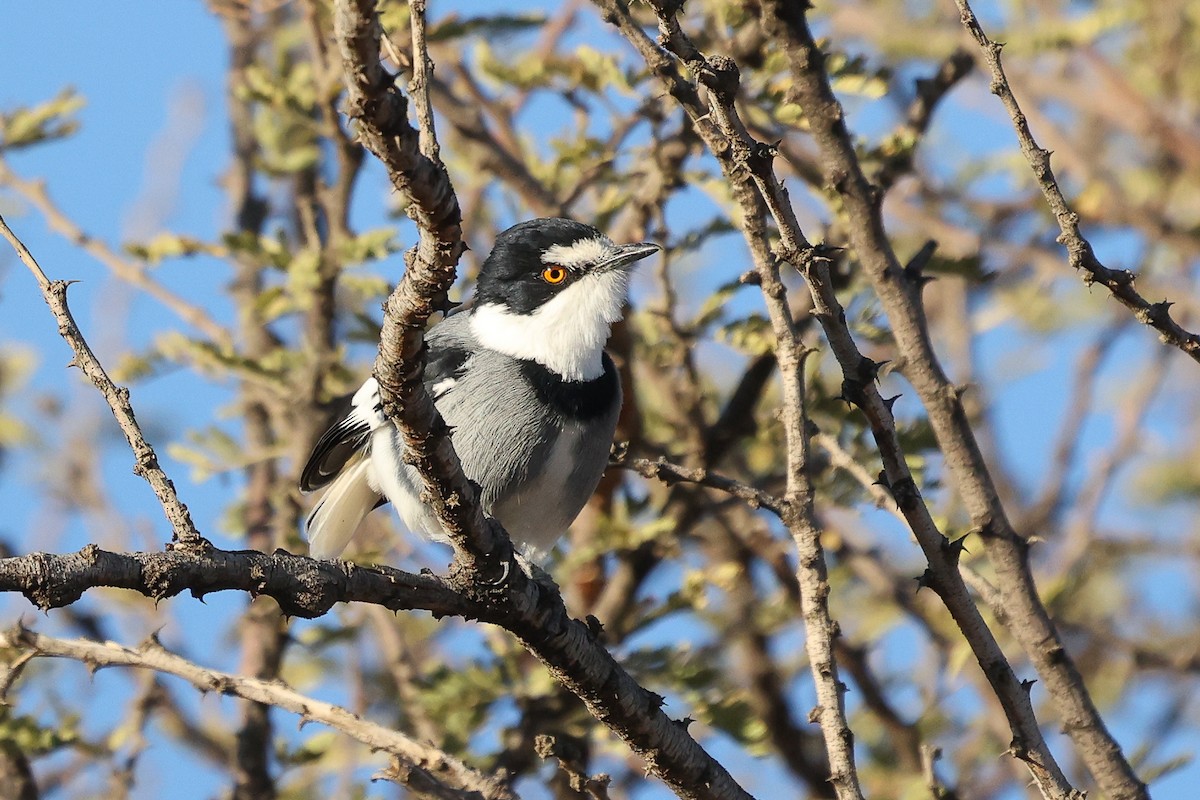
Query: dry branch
(1080, 255)
(715, 122)
(747, 164)
(145, 459)
(425, 769)
(899, 291)
(381, 112)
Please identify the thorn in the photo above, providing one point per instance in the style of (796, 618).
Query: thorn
(924, 581)
(868, 370)
(890, 401)
(684, 723)
(955, 549)
(1027, 684)
(915, 267)
(882, 480)
(1159, 312)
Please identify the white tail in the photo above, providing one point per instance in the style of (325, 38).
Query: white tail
(333, 521)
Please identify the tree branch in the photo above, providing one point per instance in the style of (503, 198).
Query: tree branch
(714, 123)
(424, 769)
(307, 588)
(748, 164)
(381, 112)
(899, 291)
(146, 460)
(1080, 255)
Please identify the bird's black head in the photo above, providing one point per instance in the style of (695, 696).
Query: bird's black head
(550, 291)
(533, 262)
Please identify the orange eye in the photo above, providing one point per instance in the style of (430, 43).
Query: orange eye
(554, 275)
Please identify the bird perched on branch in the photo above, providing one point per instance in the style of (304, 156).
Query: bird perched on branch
(520, 376)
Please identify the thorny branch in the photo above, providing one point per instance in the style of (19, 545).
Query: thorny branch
(899, 291)
(380, 110)
(720, 76)
(423, 768)
(1080, 254)
(146, 460)
(747, 163)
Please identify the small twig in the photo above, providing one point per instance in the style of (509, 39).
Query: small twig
(431, 771)
(662, 470)
(418, 87)
(146, 460)
(134, 273)
(1079, 250)
(593, 787)
(937, 790)
(930, 93)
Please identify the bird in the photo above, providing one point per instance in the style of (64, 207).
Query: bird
(521, 377)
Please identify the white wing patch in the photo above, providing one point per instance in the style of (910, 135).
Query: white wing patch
(566, 335)
(439, 389)
(365, 406)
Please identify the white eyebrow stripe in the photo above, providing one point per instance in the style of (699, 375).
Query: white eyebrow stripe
(585, 251)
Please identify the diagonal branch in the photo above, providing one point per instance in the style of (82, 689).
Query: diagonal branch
(720, 77)
(1080, 255)
(747, 164)
(381, 112)
(899, 291)
(423, 768)
(135, 273)
(146, 460)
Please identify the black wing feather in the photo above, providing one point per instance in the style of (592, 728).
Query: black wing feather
(351, 432)
(335, 447)
(442, 363)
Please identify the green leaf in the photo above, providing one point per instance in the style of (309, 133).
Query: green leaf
(372, 245)
(44, 122)
(164, 246)
(455, 27)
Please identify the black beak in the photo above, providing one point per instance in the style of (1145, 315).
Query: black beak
(626, 255)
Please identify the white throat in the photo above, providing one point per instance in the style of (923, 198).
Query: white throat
(566, 335)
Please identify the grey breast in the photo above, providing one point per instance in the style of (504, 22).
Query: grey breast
(536, 470)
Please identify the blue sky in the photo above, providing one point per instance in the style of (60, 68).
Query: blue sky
(153, 77)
